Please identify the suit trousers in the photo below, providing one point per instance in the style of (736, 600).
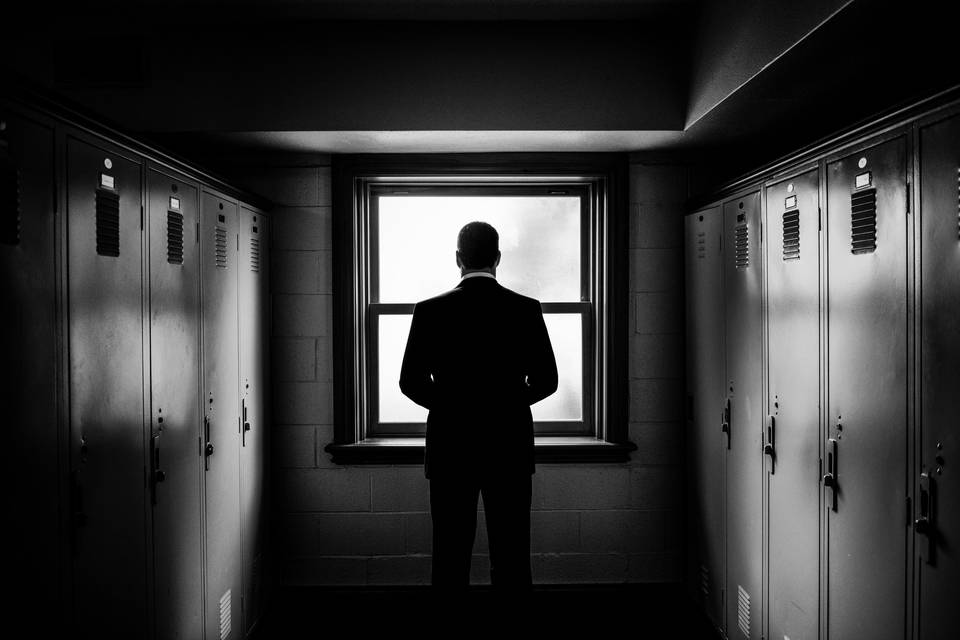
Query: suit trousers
(506, 505)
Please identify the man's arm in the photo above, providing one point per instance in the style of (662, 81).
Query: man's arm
(542, 368)
(415, 380)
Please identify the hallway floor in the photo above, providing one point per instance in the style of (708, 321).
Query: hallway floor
(643, 611)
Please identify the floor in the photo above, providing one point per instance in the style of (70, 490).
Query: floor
(641, 611)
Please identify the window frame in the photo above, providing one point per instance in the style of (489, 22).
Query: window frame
(599, 179)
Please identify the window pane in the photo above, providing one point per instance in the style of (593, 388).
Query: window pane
(566, 336)
(539, 243)
(394, 406)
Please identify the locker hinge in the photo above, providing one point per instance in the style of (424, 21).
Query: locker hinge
(761, 233)
(141, 217)
(819, 219)
(908, 197)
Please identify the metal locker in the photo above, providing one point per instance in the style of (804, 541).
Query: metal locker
(742, 420)
(254, 336)
(29, 332)
(937, 485)
(175, 465)
(705, 396)
(866, 447)
(106, 379)
(791, 434)
(219, 264)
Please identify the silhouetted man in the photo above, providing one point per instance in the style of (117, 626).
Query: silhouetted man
(477, 357)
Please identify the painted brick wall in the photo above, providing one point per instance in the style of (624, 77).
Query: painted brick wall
(592, 523)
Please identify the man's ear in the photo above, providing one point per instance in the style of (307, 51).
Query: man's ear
(497, 262)
(459, 261)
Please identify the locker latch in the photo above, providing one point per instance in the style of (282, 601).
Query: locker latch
(769, 447)
(923, 525)
(208, 448)
(246, 423)
(830, 477)
(725, 422)
(156, 474)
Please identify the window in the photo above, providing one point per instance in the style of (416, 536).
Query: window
(396, 227)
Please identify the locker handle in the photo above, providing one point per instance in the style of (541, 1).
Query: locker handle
(208, 448)
(768, 448)
(725, 422)
(923, 525)
(830, 477)
(246, 423)
(156, 474)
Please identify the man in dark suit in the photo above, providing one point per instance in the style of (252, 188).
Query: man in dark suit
(477, 357)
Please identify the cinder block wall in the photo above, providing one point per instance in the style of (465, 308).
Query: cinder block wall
(592, 523)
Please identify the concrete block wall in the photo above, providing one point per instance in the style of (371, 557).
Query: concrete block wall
(370, 525)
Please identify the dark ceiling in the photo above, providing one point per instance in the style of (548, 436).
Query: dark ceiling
(725, 83)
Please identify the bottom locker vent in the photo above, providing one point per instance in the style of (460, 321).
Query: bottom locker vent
(743, 611)
(226, 625)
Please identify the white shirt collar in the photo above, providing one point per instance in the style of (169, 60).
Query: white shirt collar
(478, 274)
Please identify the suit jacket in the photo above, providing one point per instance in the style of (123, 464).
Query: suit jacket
(477, 357)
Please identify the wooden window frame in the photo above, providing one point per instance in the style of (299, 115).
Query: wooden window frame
(600, 180)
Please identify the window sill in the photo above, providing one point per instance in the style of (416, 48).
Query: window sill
(547, 449)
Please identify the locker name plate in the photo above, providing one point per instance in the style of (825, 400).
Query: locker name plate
(175, 203)
(106, 181)
(790, 203)
(864, 180)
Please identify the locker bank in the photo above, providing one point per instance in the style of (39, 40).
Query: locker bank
(215, 220)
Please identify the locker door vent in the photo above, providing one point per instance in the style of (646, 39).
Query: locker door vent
(9, 203)
(174, 237)
(743, 247)
(255, 255)
(701, 246)
(791, 235)
(226, 624)
(863, 221)
(220, 246)
(743, 611)
(705, 581)
(108, 223)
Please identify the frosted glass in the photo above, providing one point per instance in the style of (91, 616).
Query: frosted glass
(565, 335)
(539, 243)
(394, 406)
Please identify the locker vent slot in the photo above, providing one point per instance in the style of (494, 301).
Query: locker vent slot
(255, 255)
(743, 611)
(10, 204)
(704, 581)
(701, 246)
(174, 237)
(863, 221)
(225, 614)
(221, 247)
(791, 235)
(108, 223)
(743, 247)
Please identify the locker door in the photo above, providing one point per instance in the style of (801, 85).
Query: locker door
(106, 390)
(175, 470)
(254, 275)
(865, 458)
(704, 281)
(221, 419)
(791, 434)
(938, 489)
(28, 331)
(744, 465)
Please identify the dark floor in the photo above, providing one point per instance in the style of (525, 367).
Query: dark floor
(642, 611)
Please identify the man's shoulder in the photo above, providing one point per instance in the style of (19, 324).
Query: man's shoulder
(519, 298)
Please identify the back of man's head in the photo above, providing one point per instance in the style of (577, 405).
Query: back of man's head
(478, 244)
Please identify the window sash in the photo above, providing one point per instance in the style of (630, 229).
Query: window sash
(584, 426)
